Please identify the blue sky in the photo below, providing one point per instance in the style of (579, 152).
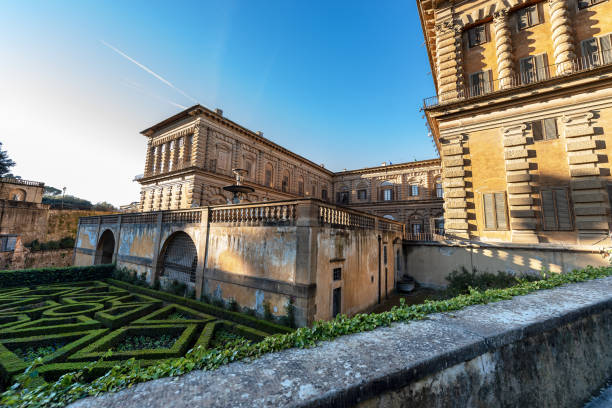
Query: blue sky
(338, 82)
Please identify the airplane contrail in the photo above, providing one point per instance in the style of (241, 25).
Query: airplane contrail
(142, 90)
(146, 69)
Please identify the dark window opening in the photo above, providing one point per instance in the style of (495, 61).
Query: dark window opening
(337, 274)
(337, 302)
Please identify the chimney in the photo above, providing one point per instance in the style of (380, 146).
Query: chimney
(219, 112)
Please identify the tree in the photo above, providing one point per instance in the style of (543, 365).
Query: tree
(52, 191)
(5, 162)
(104, 206)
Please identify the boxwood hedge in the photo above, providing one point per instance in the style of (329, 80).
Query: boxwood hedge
(35, 277)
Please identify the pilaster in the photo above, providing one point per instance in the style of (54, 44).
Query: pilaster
(519, 184)
(453, 182)
(503, 49)
(562, 36)
(588, 192)
(149, 159)
(198, 147)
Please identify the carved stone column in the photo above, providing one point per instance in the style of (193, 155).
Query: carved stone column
(519, 186)
(588, 190)
(149, 159)
(198, 145)
(449, 61)
(455, 192)
(562, 36)
(503, 49)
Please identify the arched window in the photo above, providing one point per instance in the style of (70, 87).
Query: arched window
(362, 191)
(17, 195)
(342, 196)
(439, 190)
(386, 191)
(179, 259)
(389, 217)
(301, 185)
(268, 175)
(285, 182)
(324, 193)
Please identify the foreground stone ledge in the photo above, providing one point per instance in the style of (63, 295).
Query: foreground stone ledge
(449, 358)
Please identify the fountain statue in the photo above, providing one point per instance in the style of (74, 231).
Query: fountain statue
(237, 189)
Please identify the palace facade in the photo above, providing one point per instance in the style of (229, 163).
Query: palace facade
(190, 157)
(522, 117)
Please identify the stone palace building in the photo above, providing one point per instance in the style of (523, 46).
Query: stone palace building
(190, 157)
(523, 117)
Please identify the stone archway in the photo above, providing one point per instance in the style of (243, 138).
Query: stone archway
(105, 248)
(179, 259)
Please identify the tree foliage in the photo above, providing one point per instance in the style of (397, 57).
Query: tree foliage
(52, 191)
(5, 162)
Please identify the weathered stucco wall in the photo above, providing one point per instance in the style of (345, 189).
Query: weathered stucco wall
(284, 253)
(547, 349)
(64, 223)
(430, 263)
(28, 220)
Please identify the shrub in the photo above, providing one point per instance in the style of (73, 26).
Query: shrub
(460, 282)
(233, 305)
(289, 319)
(41, 276)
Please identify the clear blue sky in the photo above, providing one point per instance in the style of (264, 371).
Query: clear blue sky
(338, 82)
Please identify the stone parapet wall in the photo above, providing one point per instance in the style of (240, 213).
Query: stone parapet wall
(431, 262)
(553, 345)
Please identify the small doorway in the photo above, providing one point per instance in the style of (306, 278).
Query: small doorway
(337, 302)
(105, 249)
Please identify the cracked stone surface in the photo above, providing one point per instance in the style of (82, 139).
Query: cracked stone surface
(357, 367)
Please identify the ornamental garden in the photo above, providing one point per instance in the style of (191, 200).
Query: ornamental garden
(68, 323)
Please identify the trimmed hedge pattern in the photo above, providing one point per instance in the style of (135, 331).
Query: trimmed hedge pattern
(35, 277)
(73, 324)
(77, 384)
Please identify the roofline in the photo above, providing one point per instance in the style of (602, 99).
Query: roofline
(199, 109)
(425, 37)
(397, 166)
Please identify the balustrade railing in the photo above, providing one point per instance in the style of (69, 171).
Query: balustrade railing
(268, 213)
(524, 78)
(22, 182)
(436, 235)
(255, 214)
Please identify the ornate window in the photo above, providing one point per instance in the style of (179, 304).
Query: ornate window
(477, 35)
(533, 68)
(324, 194)
(268, 179)
(301, 185)
(439, 189)
(285, 182)
(386, 191)
(528, 17)
(414, 190)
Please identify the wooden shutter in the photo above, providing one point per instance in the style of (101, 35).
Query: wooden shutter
(550, 128)
(489, 210)
(534, 17)
(548, 210)
(606, 48)
(564, 220)
(536, 127)
(486, 81)
(527, 65)
(482, 34)
(523, 19)
(472, 37)
(500, 210)
(540, 67)
(474, 84)
(589, 51)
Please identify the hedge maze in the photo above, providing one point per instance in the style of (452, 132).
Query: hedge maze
(70, 325)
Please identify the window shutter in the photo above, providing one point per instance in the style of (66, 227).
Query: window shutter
(536, 127)
(540, 66)
(486, 81)
(482, 34)
(523, 19)
(563, 211)
(534, 17)
(548, 210)
(489, 210)
(527, 69)
(500, 210)
(550, 128)
(589, 50)
(475, 84)
(472, 37)
(606, 48)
